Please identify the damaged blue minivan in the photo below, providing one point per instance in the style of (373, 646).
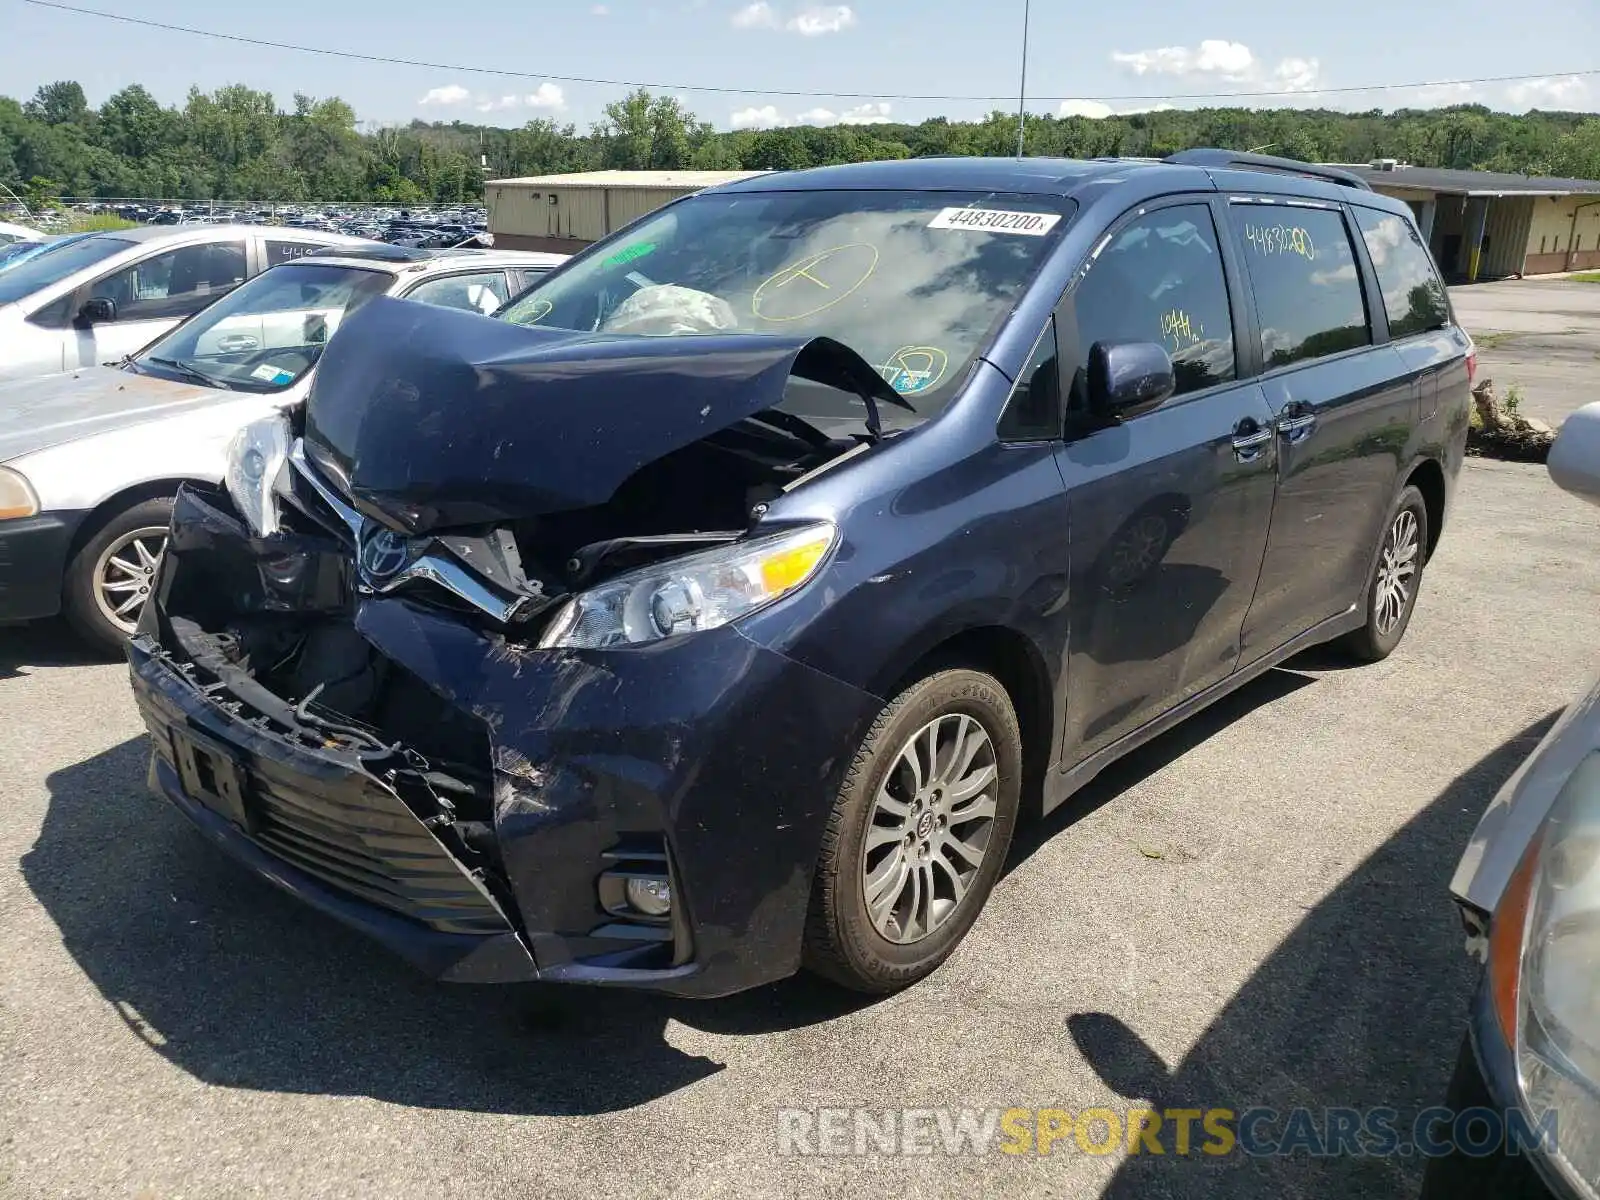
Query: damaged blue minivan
(719, 607)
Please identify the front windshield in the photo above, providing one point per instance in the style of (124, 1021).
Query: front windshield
(914, 282)
(56, 263)
(266, 334)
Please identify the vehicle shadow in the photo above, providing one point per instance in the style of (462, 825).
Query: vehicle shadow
(1361, 1006)
(241, 986)
(44, 644)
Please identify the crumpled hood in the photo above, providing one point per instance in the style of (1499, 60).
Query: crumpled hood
(48, 410)
(431, 417)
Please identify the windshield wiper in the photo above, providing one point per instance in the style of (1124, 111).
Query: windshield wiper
(190, 371)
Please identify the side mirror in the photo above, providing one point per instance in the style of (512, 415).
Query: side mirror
(1128, 378)
(97, 310)
(1574, 462)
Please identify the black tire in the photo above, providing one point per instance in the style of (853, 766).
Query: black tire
(842, 942)
(78, 588)
(1382, 631)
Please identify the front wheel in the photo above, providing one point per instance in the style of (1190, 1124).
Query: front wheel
(1396, 577)
(111, 576)
(918, 834)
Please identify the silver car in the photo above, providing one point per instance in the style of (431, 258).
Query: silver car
(105, 296)
(90, 460)
(1528, 888)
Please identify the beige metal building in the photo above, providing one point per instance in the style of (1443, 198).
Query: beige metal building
(565, 213)
(1486, 225)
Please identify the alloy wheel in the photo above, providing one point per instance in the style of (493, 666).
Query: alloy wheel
(125, 573)
(1397, 570)
(929, 828)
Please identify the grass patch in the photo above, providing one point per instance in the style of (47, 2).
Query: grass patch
(1494, 338)
(1586, 276)
(95, 223)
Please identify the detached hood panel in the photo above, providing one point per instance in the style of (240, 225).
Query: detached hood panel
(48, 410)
(432, 417)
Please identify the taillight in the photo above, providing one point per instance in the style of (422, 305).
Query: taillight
(1472, 365)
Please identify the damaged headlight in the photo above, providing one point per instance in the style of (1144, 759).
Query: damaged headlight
(696, 592)
(256, 458)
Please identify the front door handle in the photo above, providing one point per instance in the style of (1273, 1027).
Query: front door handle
(1250, 440)
(1296, 420)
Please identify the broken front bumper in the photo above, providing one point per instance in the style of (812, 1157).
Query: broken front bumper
(709, 754)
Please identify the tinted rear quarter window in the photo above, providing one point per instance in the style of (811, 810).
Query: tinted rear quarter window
(1413, 297)
(1303, 272)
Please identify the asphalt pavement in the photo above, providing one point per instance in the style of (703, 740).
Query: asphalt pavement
(1541, 336)
(1250, 911)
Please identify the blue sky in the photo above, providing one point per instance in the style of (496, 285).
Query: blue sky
(1103, 53)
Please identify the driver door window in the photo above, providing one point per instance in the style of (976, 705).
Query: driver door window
(1159, 279)
(175, 284)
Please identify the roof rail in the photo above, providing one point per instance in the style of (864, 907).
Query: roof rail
(1266, 162)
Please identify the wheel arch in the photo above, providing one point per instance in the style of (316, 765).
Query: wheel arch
(1427, 476)
(96, 518)
(1016, 661)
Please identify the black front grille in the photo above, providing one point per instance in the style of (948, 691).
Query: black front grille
(365, 841)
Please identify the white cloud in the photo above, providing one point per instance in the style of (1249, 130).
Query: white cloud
(1227, 60)
(1298, 74)
(768, 117)
(1566, 91)
(600, 10)
(757, 118)
(546, 95)
(816, 21)
(1440, 94)
(452, 94)
(1085, 108)
(759, 15)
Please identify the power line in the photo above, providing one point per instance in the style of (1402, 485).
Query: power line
(767, 91)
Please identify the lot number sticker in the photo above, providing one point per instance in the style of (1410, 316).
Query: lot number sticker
(995, 220)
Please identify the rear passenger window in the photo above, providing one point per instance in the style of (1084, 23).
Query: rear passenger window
(1413, 298)
(1159, 279)
(1303, 270)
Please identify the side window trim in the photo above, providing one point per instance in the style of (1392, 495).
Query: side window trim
(1240, 199)
(1066, 313)
(1372, 291)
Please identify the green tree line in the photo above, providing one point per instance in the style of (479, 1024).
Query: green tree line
(238, 143)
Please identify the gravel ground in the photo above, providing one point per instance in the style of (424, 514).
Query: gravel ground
(1250, 911)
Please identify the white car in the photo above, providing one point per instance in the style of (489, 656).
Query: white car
(17, 233)
(103, 297)
(91, 459)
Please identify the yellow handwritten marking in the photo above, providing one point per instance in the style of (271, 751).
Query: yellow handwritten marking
(541, 310)
(1281, 239)
(855, 259)
(919, 367)
(1181, 329)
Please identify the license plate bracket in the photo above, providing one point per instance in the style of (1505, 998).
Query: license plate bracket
(213, 775)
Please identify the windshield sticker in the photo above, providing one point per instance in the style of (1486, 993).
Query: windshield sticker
(995, 220)
(815, 283)
(913, 369)
(629, 253)
(1269, 240)
(268, 373)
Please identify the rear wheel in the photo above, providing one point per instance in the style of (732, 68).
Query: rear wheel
(918, 834)
(1392, 590)
(111, 576)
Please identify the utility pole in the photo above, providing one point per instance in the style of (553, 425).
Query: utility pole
(1022, 88)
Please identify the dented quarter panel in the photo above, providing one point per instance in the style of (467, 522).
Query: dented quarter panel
(732, 750)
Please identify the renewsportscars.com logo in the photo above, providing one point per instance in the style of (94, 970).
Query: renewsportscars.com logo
(1213, 1132)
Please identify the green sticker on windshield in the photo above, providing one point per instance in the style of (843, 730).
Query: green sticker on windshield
(629, 253)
